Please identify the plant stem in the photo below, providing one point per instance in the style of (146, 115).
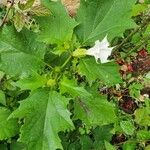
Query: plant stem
(139, 46)
(145, 22)
(66, 62)
(48, 65)
(63, 65)
(6, 15)
(127, 38)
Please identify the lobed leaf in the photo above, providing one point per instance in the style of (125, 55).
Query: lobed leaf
(99, 18)
(108, 73)
(58, 27)
(94, 111)
(70, 86)
(20, 52)
(31, 82)
(45, 115)
(88, 108)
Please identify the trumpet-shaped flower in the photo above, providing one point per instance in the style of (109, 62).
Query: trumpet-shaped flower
(100, 50)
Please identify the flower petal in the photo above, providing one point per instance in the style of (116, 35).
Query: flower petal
(100, 50)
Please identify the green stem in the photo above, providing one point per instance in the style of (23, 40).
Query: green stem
(48, 65)
(66, 62)
(63, 65)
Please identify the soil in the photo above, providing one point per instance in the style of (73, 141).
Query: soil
(72, 6)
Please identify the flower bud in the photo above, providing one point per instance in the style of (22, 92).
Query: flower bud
(80, 52)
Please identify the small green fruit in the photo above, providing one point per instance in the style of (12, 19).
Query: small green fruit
(57, 69)
(51, 83)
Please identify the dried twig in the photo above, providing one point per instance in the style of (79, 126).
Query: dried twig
(6, 15)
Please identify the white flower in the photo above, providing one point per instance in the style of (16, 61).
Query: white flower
(100, 50)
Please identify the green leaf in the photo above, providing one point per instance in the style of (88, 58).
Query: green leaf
(17, 146)
(31, 82)
(94, 111)
(109, 146)
(134, 90)
(91, 110)
(2, 98)
(147, 1)
(127, 127)
(129, 145)
(108, 73)
(99, 18)
(142, 116)
(74, 146)
(45, 115)
(143, 135)
(8, 128)
(58, 27)
(86, 142)
(138, 9)
(101, 134)
(20, 52)
(70, 86)
(147, 31)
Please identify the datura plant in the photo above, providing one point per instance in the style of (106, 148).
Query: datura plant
(74, 83)
(100, 51)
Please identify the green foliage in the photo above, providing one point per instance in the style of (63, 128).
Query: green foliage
(94, 111)
(2, 98)
(3, 146)
(102, 134)
(142, 116)
(20, 52)
(86, 107)
(45, 115)
(108, 73)
(8, 128)
(109, 146)
(31, 82)
(69, 86)
(127, 127)
(129, 145)
(53, 95)
(61, 24)
(17, 146)
(100, 18)
(139, 8)
(86, 142)
(135, 90)
(143, 135)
